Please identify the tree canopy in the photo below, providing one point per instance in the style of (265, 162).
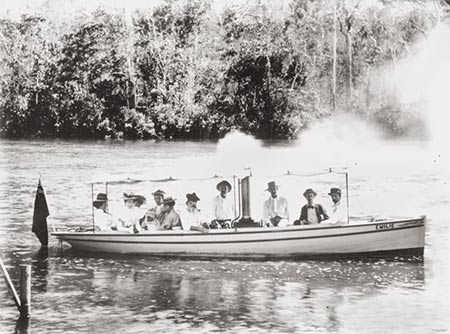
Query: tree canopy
(185, 70)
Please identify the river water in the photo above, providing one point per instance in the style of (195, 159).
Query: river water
(137, 294)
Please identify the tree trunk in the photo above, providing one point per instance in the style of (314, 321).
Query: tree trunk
(129, 54)
(368, 93)
(333, 98)
(348, 44)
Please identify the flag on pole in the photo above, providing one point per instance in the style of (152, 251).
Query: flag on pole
(40, 216)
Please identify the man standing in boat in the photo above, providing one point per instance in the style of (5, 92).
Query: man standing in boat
(338, 210)
(222, 206)
(275, 210)
(311, 213)
(168, 219)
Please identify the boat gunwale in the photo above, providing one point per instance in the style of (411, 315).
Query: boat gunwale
(227, 241)
(420, 222)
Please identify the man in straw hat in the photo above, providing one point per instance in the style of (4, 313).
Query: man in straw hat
(191, 218)
(103, 221)
(222, 206)
(312, 213)
(275, 209)
(168, 219)
(338, 209)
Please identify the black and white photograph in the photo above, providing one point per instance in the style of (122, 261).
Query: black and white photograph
(224, 166)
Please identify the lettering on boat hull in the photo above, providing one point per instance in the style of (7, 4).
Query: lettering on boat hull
(384, 226)
(410, 223)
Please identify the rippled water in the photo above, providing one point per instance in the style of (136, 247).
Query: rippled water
(132, 294)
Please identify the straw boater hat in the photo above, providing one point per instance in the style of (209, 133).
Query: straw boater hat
(101, 198)
(159, 192)
(169, 201)
(192, 197)
(271, 184)
(309, 191)
(224, 182)
(335, 191)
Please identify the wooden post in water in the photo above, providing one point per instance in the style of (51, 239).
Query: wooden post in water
(25, 290)
(10, 285)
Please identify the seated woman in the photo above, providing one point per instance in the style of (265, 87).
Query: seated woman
(168, 219)
(191, 218)
(103, 221)
(129, 216)
(141, 212)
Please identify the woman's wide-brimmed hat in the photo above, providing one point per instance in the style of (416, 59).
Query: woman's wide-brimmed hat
(225, 183)
(192, 197)
(169, 201)
(139, 199)
(334, 191)
(101, 198)
(159, 192)
(271, 184)
(130, 196)
(309, 191)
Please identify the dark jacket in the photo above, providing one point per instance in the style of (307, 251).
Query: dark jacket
(320, 212)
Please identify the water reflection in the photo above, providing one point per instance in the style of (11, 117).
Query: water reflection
(286, 296)
(22, 326)
(205, 296)
(40, 270)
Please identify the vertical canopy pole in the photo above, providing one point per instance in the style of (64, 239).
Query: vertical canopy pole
(92, 201)
(106, 191)
(346, 191)
(234, 191)
(234, 195)
(239, 202)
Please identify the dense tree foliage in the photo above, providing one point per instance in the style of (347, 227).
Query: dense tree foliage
(185, 70)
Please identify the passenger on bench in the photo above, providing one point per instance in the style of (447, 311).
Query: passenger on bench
(275, 210)
(222, 206)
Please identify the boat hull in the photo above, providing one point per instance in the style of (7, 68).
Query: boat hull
(401, 237)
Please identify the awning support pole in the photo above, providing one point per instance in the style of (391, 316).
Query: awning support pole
(346, 191)
(92, 201)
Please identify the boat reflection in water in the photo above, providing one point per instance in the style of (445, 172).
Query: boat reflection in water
(227, 295)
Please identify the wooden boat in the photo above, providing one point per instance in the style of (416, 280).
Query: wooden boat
(381, 238)
(399, 237)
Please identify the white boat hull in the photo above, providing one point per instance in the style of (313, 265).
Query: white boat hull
(396, 237)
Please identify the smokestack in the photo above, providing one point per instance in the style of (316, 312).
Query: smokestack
(245, 191)
(246, 219)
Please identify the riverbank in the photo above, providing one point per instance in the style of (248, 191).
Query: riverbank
(188, 70)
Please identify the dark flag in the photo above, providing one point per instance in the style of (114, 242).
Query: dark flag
(40, 216)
